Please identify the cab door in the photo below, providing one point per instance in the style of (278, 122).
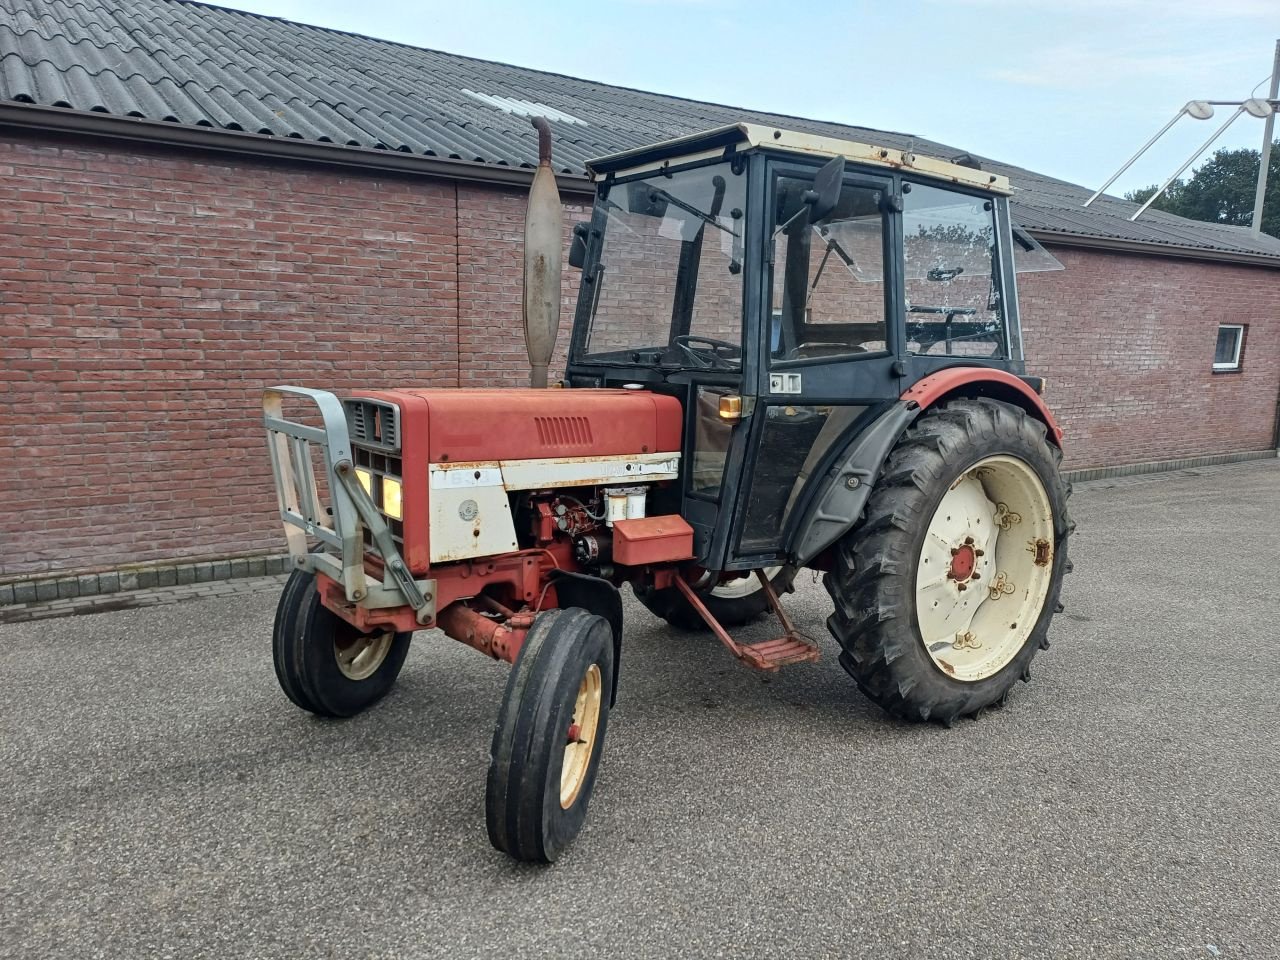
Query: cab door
(827, 348)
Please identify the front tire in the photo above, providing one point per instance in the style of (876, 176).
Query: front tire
(945, 592)
(550, 735)
(324, 664)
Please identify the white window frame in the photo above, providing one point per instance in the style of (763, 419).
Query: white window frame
(1235, 360)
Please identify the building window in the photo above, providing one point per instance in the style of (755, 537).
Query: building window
(1226, 356)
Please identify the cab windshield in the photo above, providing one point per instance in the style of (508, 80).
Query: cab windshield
(668, 281)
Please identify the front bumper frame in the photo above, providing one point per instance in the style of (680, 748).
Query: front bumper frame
(339, 528)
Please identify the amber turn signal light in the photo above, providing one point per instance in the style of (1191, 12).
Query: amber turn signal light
(731, 408)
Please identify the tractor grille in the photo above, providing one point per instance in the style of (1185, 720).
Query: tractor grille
(564, 431)
(380, 465)
(373, 424)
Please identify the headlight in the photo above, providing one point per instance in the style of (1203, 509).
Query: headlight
(391, 503)
(366, 480)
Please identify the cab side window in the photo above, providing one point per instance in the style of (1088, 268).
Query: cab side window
(828, 277)
(952, 289)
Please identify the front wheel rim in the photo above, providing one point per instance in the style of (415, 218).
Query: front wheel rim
(359, 655)
(581, 740)
(985, 568)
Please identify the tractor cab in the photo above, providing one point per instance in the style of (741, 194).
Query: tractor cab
(787, 289)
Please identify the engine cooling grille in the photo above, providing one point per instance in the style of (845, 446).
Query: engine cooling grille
(564, 431)
(373, 423)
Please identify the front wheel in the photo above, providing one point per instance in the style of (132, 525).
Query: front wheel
(550, 735)
(945, 592)
(325, 665)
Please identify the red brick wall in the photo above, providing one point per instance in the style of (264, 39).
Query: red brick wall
(147, 297)
(1127, 343)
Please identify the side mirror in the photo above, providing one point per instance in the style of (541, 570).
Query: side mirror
(825, 195)
(578, 245)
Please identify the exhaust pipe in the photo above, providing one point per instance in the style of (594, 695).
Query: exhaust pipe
(542, 242)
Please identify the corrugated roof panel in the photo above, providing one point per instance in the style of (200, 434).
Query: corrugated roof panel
(191, 63)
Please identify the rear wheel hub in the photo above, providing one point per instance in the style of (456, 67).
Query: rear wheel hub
(963, 560)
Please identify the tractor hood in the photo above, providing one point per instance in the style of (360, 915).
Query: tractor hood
(462, 425)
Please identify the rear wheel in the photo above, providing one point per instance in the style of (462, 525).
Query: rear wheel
(324, 664)
(945, 592)
(550, 735)
(733, 602)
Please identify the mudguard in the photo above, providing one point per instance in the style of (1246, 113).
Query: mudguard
(595, 596)
(844, 488)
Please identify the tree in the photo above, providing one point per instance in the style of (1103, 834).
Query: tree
(1221, 191)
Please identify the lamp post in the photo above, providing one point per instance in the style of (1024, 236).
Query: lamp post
(1264, 166)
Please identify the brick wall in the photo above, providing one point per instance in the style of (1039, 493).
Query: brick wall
(147, 297)
(1127, 344)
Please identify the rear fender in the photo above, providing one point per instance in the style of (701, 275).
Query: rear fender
(983, 382)
(843, 490)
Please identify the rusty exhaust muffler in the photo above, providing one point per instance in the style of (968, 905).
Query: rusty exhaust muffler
(542, 242)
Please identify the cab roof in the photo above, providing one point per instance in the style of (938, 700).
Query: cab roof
(748, 136)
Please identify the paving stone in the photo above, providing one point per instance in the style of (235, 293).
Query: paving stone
(24, 592)
(6, 594)
(129, 581)
(204, 572)
(221, 569)
(166, 576)
(147, 579)
(239, 567)
(108, 582)
(257, 566)
(46, 590)
(68, 587)
(186, 574)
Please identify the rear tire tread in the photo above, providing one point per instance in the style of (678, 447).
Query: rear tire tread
(873, 620)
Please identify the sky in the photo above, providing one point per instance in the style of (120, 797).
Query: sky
(1069, 88)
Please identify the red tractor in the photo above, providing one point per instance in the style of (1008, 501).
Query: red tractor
(788, 352)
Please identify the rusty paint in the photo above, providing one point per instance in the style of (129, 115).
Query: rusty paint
(501, 640)
(1043, 550)
(946, 666)
(768, 655)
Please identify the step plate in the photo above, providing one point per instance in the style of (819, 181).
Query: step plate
(772, 655)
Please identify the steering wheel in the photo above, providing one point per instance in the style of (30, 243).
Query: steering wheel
(686, 340)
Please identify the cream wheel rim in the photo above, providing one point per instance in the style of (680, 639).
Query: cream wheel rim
(581, 740)
(359, 655)
(985, 568)
(744, 585)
